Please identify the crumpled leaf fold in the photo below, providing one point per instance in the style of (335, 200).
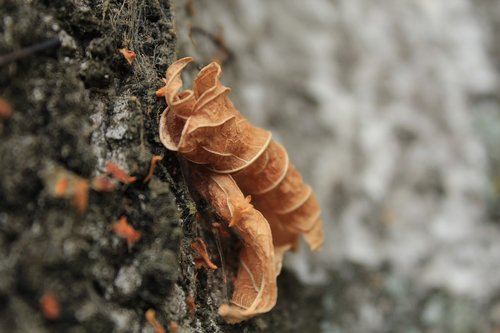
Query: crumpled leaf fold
(240, 161)
(255, 288)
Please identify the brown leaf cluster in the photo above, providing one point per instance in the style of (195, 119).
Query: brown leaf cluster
(240, 163)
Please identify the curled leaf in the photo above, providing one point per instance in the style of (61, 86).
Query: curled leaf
(204, 126)
(241, 164)
(255, 288)
(207, 112)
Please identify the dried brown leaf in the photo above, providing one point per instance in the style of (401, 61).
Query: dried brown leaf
(194, 116)
(255, 288)
(204, 126)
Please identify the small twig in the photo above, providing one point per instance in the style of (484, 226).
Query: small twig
(29, 50)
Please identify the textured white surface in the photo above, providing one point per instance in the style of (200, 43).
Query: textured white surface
(373, 100)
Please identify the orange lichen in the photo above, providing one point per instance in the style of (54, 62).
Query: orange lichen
(62, 183)
(102, 184)
(151, 318)
(123, 229)
(237, 161)
(61, 187)
(173, 327)
(81, 196)
(199, 246)
(50, 306)
(128, 55)
(119, 174)
(152, 166)
(6, 109)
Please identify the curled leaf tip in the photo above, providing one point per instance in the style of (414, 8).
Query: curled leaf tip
(237, 160)
(240, 207)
